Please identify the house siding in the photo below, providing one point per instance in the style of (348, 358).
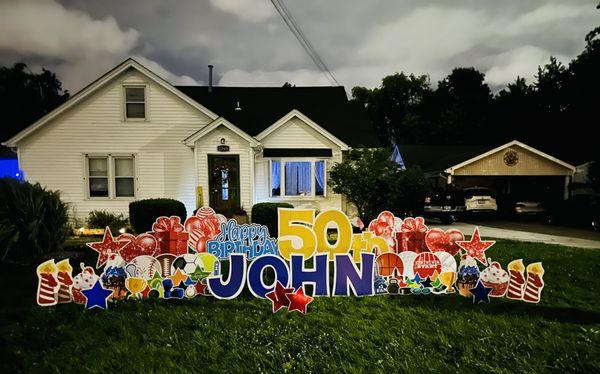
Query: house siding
(529, 163)
(295, 133)
(54, 155)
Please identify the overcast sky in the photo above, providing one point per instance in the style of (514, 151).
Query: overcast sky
(249, 44)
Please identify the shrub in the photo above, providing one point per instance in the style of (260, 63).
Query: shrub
(99, 219)
(266, 214)
(374, 183)
(33, 220)
(143, 213)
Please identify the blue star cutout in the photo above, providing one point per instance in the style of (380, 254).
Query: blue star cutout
(417, 279)
(96, 296)
(426, 283)
(189, 282)
(480, 293)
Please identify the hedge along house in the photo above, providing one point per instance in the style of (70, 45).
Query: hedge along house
(131, 135)
(513, 170)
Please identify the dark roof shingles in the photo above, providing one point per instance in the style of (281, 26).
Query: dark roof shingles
(263, 106)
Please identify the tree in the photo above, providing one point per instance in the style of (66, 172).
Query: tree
(26, 96)
(591, 36)
(515, 112)
(393, 106)
(372, 182)
(463, 105)
(593, 175)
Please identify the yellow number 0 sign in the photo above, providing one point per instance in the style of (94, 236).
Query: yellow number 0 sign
(303, 234)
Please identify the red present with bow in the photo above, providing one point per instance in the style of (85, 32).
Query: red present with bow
(171, 235)
(412, 235)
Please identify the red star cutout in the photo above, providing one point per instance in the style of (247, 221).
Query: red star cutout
(476, 247)
(200, 288)
(106, 247)
(298, 300)
(278, 297)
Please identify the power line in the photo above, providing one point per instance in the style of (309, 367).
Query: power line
(304, 42)
(290, 21)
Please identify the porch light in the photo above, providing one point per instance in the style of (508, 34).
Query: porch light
(222, 140)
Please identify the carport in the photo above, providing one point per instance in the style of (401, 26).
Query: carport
(515, 171)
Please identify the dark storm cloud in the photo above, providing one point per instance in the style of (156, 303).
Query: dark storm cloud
(361, 41)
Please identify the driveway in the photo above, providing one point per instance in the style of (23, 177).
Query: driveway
(531, 232)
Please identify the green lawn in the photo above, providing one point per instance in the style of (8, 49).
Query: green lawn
(383, 333)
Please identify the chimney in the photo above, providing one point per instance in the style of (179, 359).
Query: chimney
(210, 69)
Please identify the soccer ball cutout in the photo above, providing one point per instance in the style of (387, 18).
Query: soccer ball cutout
(187, 263)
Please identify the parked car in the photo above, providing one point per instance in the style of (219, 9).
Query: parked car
(579, 210)
(480, 199)
(530, 208)
(445, 204)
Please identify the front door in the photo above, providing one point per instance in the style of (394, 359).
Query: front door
(224, 183)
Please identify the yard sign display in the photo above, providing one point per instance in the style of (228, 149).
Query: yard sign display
(210, 256)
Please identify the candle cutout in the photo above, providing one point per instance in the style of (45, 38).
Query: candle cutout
(535, 283)
(516, 282)
(47, 283)
(65, 281)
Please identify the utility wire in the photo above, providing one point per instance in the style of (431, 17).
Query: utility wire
(290, 21)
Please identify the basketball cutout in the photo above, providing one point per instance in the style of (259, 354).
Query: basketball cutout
(387, 262)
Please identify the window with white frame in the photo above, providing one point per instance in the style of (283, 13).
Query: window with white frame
(291, 177)
(110, 176)
(135, 102)
(98, 176)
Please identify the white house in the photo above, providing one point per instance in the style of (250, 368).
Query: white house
(131, 135)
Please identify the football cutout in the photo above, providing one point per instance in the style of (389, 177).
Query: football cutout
(166, 261)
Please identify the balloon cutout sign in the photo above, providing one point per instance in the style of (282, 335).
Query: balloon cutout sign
(210, 256)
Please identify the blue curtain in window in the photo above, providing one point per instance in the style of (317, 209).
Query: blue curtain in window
(275, 178)
(319, 177)
(297, 178)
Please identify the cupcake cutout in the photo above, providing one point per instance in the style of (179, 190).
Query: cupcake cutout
(468, 275)
(496, 278)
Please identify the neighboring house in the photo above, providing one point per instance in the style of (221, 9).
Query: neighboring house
(514, 170)
(131, 135)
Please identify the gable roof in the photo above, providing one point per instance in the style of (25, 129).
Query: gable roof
(508, 145)
(190, 140)
(442, 158)
(296, 113)
(97, 84)
(263, 106)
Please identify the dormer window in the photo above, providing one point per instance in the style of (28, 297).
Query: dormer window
(135, 102)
